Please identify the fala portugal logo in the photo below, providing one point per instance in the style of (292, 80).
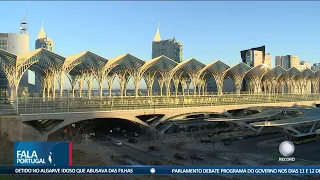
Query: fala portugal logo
(43, 153)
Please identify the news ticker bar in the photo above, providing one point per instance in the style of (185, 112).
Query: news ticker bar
(164, 170)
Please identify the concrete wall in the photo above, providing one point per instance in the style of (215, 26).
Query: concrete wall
(14, 127)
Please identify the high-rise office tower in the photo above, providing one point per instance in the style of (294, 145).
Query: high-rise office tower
(254, 57)
(170, 48)
(290, 61)
(43, 41)
(287, 61)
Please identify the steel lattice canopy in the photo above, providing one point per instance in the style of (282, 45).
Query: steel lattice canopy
(291, 73)
(216, 68)
(161, 64)
(238, 70)
(158, 75)
(205, 76)
(184, 75)
(306, 74)
(84, 62)
(257, 72)
(125, 62)
(8, 58)
(191, 66)
(275, 73)
(42, 61)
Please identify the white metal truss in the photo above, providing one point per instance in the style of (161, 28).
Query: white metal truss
(162, 66)
(132, 65)
(254, 76)
(218, 69)
(271, 79)
(193, 68)
(237, 73)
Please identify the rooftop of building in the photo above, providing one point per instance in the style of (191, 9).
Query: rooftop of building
(157, 37)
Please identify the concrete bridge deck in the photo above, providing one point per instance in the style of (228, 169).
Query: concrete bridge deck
(71, 110)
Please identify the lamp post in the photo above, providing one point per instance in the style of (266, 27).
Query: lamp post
(110, 133)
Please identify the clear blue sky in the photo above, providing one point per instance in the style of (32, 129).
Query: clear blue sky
(208, 30)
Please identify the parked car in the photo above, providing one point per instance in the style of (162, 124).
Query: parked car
(197, 157)
(134, 134)
(154, 148)
(210, 135)
(240, 138)
(180, 156)
(118, 143)
(132, 140)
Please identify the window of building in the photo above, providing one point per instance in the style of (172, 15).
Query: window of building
(3, 42)
(4, 47)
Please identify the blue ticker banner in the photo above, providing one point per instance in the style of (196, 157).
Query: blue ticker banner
(42, 154)
(165, 170)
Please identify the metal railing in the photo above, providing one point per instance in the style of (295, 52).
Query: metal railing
(32, 105)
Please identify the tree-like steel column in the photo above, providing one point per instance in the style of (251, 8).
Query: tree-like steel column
(167, 81)
(188, 82)
(289, 86)
(53, 85)
(73, 81)
(282, 84)
(125, 87)
(61, 81)
(315, 85)
(219, 81)
(161, 83)
(238, 83)
(110, 79)
(80, 83)
(136, 79)
(43, 85)
(204, 82)
(194, 78)
(176, 84)
(89, 79)
(99, 75)
(149, 79)
(269, 87)
(251, 86)
(183, 83)
(123, 78)
(49, 84)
